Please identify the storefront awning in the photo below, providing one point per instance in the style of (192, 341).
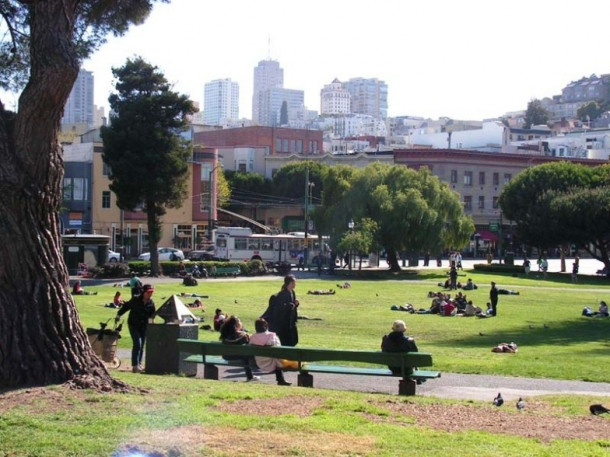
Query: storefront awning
(487, 235)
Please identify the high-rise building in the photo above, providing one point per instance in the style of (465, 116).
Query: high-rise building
(334, 99)
(368, 96)
(271, 102)
(267, 75)
(79, 107)
(220, 102)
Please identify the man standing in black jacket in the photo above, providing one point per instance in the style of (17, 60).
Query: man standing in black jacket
(141, 308)
(493, 298)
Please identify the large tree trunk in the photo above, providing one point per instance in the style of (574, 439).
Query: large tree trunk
(392, 260)
(41, 339)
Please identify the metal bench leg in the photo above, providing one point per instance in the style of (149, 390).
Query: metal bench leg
(210, 372)
(406, 387)
(305, 380)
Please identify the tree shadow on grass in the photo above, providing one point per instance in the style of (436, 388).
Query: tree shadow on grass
(565, 333)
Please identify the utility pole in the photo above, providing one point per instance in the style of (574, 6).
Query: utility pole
(306, 215)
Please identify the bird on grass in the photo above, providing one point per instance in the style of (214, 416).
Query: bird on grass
(520, 404)
(531, 326)
(598, 409)
(498, 400)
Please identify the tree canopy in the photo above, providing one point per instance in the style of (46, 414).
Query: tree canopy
(561, 202)
(413, 210)
(536, 114)
(41, 50)
(143, 147)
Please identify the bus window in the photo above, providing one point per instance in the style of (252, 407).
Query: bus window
(253, 245)
(266, 245)
(241, 243)
(221, 242)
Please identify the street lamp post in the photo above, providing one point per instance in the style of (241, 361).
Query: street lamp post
(213, 195)
(351, 226)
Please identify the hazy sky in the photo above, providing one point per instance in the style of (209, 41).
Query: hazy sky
(465, 59)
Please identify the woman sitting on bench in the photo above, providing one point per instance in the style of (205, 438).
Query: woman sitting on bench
(232, 332)
(263, 337)
(397, 341)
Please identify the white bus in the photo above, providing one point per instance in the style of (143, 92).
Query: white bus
(240, 244)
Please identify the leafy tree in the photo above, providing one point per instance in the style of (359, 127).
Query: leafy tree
(589, 111)
(536, 114)
(143, 146)
(284, 113)
(247, 188)
(289, 181)
(561, 202)
(41, 339)
(413, 210)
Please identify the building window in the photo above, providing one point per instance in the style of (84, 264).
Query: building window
(467, 202)
(481, 178)
(105, 169)
(286, 146)
(67, 189)
(507, 178)
(453, 176)
(495, 203)
(241, 167)
(79, 189)
(300, 146)
(481, 202)
(278, 145)
(106, 199)
(496, 179)
(468, 178)
(293, 145)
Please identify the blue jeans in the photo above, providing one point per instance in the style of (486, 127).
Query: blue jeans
(138, 335)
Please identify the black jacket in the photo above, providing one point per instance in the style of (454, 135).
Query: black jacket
(139, 312)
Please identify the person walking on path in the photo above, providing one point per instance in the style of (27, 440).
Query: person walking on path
(141, 308)
(493, 298)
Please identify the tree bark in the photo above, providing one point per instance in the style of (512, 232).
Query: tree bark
(41, 339)
(392, 260)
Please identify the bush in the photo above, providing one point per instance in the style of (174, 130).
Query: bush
(253, 268)
(498, 268)
(110, 270)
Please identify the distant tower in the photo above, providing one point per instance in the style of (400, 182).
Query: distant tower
(220, 102)
(79, 107)
(267, 75)
(368, 96)
(334, 99)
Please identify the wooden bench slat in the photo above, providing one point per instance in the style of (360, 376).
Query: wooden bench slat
(209, 353)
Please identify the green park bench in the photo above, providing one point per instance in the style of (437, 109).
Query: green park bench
(226, 271)
(210, 355)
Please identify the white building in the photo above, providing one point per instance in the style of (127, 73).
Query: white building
(79, 108)
(221, 102)
(491, 136)
(334, 99)
(270, 106)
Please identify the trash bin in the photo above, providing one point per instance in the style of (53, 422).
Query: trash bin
(162, 354)
(509, 258)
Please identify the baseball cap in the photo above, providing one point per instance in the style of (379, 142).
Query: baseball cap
(147, 287)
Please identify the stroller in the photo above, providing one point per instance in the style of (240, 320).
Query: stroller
(104, 342)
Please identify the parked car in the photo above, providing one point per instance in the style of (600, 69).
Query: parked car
(201, 255)
(113, 257)
(165, 254)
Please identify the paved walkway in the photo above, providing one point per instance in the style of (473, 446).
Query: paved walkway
(449, 385)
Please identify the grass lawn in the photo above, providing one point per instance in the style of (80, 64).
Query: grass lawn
(178, 416)
(545, 320)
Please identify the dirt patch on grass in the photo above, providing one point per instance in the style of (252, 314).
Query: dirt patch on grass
(201, 440)
(538, 420)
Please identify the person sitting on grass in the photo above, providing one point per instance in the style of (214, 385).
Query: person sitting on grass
(470, 285)
(263, 337)
(117, 301)
(78, 289)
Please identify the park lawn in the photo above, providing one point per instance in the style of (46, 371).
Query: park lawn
(178, 416)
(545, 320)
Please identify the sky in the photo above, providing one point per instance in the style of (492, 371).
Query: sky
(468, 59)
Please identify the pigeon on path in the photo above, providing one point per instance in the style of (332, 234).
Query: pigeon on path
(498, 401)
(598, 409)
(520, 404)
